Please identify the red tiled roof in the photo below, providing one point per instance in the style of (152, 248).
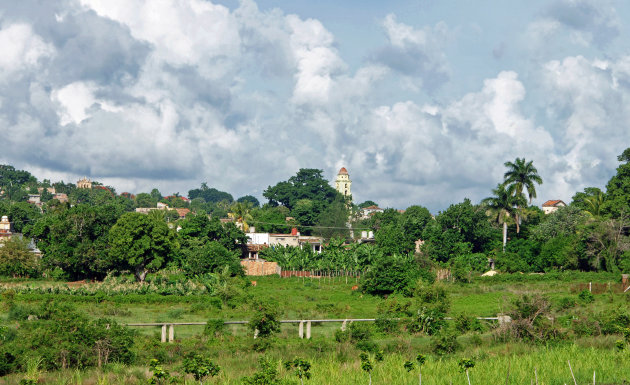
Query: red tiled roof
(343, 171)
(182, 212)
(553, 203)
(173, 196)
(372, 208)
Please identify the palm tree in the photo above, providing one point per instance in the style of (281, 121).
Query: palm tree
(502, 206)
(594, 204)
(521, 175)
(241, 212)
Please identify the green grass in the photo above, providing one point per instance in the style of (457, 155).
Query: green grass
(335, 363)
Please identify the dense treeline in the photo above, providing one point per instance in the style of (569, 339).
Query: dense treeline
(97, 231)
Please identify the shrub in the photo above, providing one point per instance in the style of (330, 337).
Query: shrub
(66, 339)
(214, 328)
(530, 321)
(615, 321)
(465, 323)
(19, 312)
(200, 367)
(266, 375)
(566, 303)
(388, 312)
(265, 319)
(464, 266)
(445, 343)
(389, 274)
(586, 296)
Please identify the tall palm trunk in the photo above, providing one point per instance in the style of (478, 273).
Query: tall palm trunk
(504, 235)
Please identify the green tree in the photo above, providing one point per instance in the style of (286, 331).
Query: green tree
(390, 274)
(249, 198)
(141, 243)
(241, 213)
(308, 183)
(617, 197)
(202, 256)
(23, 214)
(17, 260)
(211, 195)
(521, 175)
(145, 200)
(332, 222)
(392, 241)
(502, 206)
(413, 222)
(76, 239)
(271, 219)
(367, 204)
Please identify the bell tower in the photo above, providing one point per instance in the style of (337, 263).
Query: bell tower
(343, 182)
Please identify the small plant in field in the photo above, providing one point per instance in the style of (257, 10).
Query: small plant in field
(366, 365)
(302, 368)
(410, 366)
(267, 375)
(32, 371)
(160, 375)
(620, 345)
(586, 296)
(464, 365)
(200, 367)
(265, 319)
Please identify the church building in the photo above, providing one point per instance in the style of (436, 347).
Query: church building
(343, 182)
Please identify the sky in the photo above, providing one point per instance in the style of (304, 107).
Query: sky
(422, 101)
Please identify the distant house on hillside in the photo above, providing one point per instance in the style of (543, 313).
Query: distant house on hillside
(366, 212)
(259, 241)
(552, 205)
(6, 229)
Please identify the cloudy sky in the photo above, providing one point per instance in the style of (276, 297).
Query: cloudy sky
(422, 101)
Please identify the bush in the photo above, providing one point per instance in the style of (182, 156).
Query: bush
(530, 322)
(566, 303)
(464, 266)
(615, 321)
(388, 312)
(265, 319)
(465, 323)
(214, 328)
(389, 274)
(19, 312)
(586, 296)
(64, 338)
(445, 343)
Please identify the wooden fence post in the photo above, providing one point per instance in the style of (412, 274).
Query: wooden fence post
(164, 333)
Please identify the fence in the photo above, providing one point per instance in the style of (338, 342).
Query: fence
(170, 326)
(599, 288)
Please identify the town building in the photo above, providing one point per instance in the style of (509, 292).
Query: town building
(552, 206)
(367, 212)
(259, 241)
(84, 183)
(6, 229)
(343, 183)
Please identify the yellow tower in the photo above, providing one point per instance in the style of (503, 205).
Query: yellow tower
(343, 182)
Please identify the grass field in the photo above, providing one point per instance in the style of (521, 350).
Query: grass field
(338, 363)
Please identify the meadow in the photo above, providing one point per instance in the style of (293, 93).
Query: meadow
(580, 318)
